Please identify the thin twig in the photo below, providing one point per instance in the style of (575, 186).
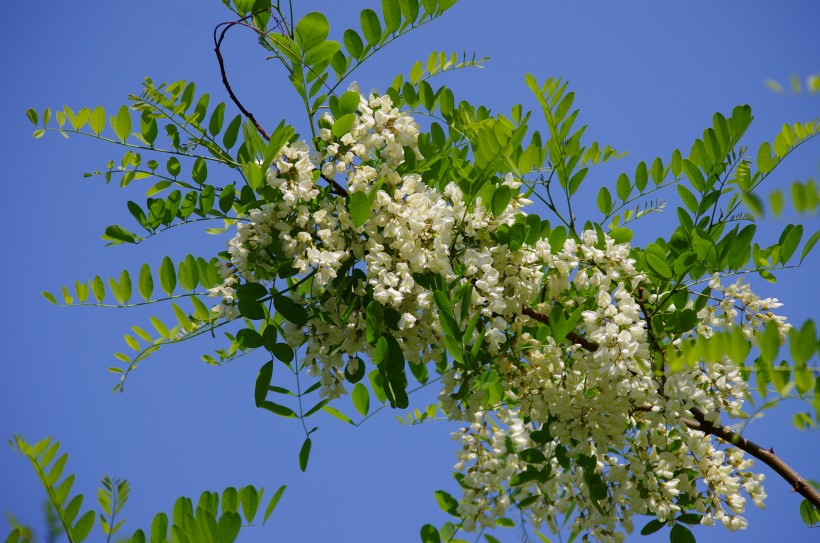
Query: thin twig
(576, 338)
(337, 188)
(218, 51)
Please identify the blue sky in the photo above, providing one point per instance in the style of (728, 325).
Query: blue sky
(648, 76)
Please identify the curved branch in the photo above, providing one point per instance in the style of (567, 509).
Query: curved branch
(218, 51)
(766, 456)
(218, 39)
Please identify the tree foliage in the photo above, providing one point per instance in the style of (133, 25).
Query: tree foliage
(415, 240)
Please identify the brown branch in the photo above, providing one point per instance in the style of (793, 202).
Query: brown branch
(766, 456)
(337, 188)
(218, 51)
(576, 338)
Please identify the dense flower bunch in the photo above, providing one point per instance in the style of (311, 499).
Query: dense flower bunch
(609, 410)
(596, 430)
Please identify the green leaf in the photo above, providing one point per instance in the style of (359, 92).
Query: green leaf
(290, 310)
(359, 208)
(217, 118)
(321, 53)
(226, 198)
(353, 43)
(690, 518)
(355, 376)
(657, 173)
(429, 534)
(410, 9)
(32, 116)
(231, 133)
(809, 245)
(273, 501)
(577, 179)
(447, 503)
(118, 234)
(689, 199)
(97, 120)
(501, 199)
(624, 188)
(336, 413)
(621, 234)
(681, 534)
(371, 27)
(277, 409)
(146, 282)
(167, 276)
(789, 241)
(764, 158)
(125, 286)
(248, 339)
(199, 173)
(391, 10)
(251, 309)
(803, 343)
(532, 456)
(228, 527)
(658, 265)
(50, 297)
(809, 513)
(342, 125)
(122, 123)
(781, 377)
(98, 289)
(604, 200)
(311, 30)
(57, 469)
(769, 342)
(83, 527)
(148, 127)
(652, 526)
(249, 498)
(348, 103)
(304, 454)
(694, 175)
(361, 399)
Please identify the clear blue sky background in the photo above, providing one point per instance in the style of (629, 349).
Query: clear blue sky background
(648, 77)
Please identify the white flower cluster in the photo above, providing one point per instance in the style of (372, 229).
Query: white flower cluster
(659, 467)
(612, 437)
(610, 405)
(740, 307)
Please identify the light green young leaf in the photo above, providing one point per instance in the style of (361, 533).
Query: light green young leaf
(273, 502)
(146, 282)
(311, 30)
(361, 399)
(359, 208)
(391, 10)
(122, 123)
